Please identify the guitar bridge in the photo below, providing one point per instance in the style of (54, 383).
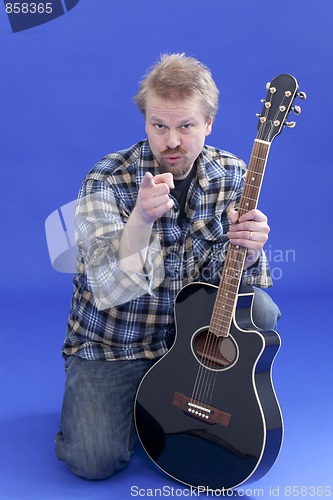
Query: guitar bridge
(201, 411)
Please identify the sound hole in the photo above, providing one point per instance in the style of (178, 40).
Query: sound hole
(214, 352)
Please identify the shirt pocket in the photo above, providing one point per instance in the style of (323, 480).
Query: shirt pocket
(208, 229)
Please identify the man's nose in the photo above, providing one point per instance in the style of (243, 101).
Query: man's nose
(173, 139)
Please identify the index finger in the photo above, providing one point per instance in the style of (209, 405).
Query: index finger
(148, 180)
(166, 178)
(254, 214)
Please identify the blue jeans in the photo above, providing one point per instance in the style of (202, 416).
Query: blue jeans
(97, 434)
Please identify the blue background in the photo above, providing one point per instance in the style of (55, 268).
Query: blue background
(66, 100)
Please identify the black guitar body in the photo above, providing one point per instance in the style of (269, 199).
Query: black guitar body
(235, 436)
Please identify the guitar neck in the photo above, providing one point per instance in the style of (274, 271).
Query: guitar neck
(254, 176)
(236, 255)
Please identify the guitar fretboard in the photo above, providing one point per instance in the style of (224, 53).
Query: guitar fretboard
(234, 263)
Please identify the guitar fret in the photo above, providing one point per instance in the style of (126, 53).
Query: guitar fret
(226, 305)
(252, 170)
(221, 332)
(249, 198)
(236, 256)
(222, 322)
(219, 321)
(220, 329)
(236, 260)
(224, 308)
(234, 285)
(227, 308)
(232, 274)
(252, 187)
(230, 278)
(228, 296)
(259, 158)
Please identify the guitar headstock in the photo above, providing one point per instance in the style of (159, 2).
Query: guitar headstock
(281, 93)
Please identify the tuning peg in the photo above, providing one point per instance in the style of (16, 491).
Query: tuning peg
(290, 124)
(268, 84)
(302, 95)
(297, 110)
(262, 118)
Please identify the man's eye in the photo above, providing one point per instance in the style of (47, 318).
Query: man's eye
(187, 126)
(159, 126)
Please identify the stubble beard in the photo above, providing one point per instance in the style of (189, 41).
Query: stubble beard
(178, 171)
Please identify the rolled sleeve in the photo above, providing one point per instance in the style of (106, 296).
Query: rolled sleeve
(258, 274)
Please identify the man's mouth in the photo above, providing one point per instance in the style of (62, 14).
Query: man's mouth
(173, 159)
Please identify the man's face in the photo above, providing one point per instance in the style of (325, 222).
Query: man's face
(176, 132)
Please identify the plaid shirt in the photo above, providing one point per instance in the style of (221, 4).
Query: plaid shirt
(120, 315)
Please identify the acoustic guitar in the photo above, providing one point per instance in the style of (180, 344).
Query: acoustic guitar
(206, 413)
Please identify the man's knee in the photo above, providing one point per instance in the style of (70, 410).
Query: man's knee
(91, 462)
(97, 468)
(265, 312)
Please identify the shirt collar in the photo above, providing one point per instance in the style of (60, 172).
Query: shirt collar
(208, 168)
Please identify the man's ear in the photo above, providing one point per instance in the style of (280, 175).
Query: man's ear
(209, 125)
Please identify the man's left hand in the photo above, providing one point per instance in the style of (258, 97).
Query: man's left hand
(249, 231)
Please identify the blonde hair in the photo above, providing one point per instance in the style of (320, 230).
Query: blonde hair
(177, 76)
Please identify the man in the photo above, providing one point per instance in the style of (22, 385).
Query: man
(149, 220)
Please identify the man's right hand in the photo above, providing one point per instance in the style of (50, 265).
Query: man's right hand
(153, 201)
(153, 198)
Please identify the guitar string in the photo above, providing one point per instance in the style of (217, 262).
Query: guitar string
(208, 389)
(206, 379)
(202, 375)
(250, 191)
(216, 352)
(203, 386)
(217, 340)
